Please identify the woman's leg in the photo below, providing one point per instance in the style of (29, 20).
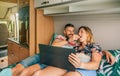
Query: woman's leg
(74, 73)
(81, 72)
(51, 71)
(30, 70)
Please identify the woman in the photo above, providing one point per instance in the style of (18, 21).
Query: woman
(87, 48)
(84, 68)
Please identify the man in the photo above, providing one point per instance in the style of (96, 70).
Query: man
(30, 65)
(25, 68)
(69, 38)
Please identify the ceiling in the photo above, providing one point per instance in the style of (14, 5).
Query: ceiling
(12, 1)
(4, 8)
(6, 4)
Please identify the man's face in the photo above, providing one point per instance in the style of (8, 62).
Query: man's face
(69, 32)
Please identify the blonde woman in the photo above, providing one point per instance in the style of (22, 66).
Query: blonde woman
(90, 52)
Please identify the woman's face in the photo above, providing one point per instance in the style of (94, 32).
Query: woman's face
(83, 35)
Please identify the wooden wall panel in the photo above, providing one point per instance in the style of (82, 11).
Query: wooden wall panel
(32, 29)
(44, 28)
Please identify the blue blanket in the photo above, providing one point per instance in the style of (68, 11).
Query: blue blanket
(6, 72)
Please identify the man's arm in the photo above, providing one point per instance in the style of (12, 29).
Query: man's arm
(59, 43)
(110, 58)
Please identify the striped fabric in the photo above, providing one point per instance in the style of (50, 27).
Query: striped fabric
(110, 70)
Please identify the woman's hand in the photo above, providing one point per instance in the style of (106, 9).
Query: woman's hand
(75, 61)
(93, 64)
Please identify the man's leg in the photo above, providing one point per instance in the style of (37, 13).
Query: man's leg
(17, 69)
(25, 63)
(30, 70)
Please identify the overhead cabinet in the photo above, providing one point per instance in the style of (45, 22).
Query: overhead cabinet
(82, 7)
(42, 3)
(45, 2)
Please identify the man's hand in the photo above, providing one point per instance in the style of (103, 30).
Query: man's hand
(60, 37)
(110, 58)
(74, 38)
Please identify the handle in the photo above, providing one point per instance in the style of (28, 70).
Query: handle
(46, 2)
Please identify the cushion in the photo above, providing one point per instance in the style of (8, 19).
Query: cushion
(53, 38)
(6, 72)
(110, 70)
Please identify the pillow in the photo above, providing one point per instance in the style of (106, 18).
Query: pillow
(53, 38)
(6, 72)
(110, 70)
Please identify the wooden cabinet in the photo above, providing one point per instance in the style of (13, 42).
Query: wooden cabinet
(24, 53)
(16, 52)
(46, 2)
(12, 53)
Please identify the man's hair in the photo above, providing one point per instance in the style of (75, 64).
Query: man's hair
(68, 25)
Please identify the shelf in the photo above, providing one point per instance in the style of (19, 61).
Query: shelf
(95, 5)
(56, 10)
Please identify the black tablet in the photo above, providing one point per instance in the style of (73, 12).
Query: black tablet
(56, 56)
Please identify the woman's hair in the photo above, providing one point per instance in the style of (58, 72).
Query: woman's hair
(90, 38)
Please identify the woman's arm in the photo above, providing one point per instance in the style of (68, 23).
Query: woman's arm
(92, 65)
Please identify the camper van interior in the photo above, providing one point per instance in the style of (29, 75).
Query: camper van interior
(24, 24)
(14, 22)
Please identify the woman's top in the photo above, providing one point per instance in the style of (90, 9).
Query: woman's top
(85, 53)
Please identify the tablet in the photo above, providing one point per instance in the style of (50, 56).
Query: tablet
(56, 56)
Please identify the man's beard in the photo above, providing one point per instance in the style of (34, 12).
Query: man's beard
(68, 36)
